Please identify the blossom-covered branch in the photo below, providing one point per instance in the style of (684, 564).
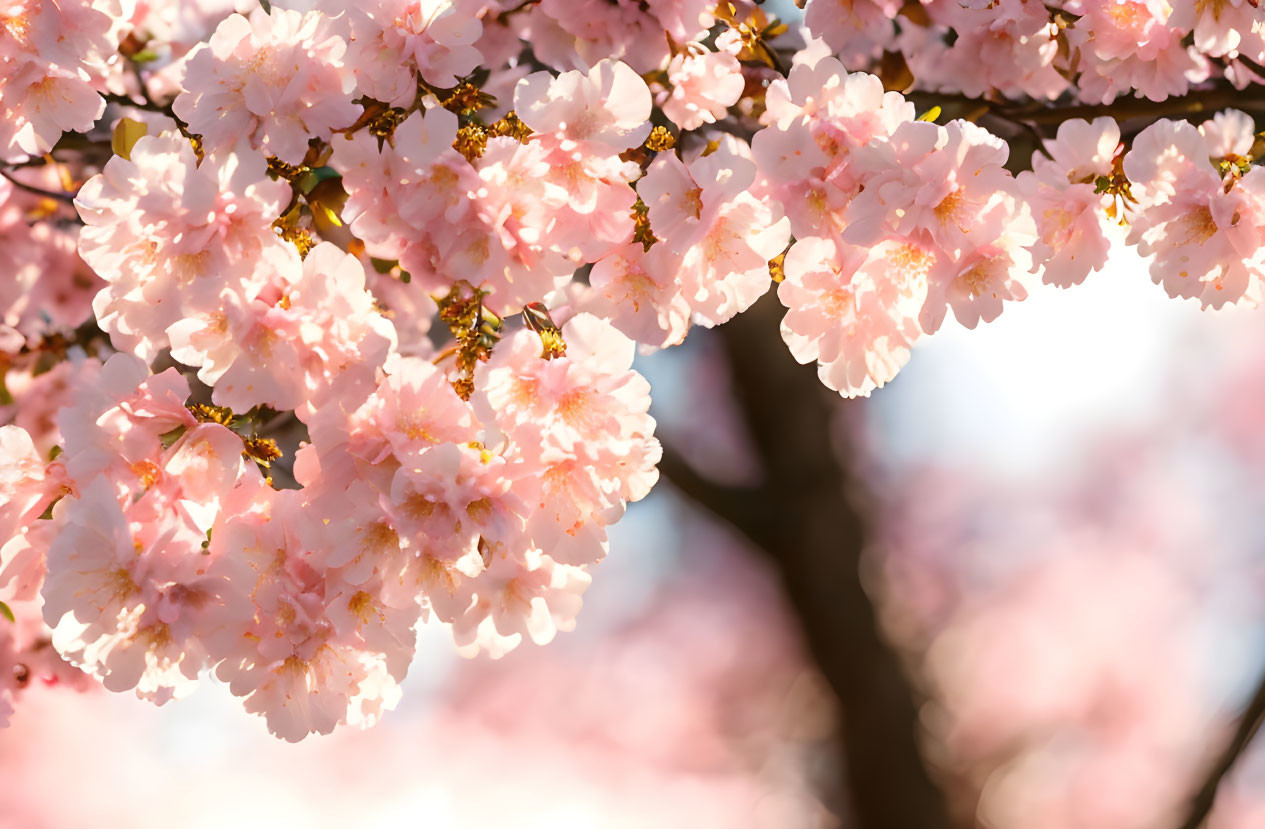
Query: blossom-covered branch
(436, 234)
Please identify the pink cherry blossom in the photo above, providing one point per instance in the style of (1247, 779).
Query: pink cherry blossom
(1229, 135)
(726, 236)
(583, 121)
(977, 283)
(508, 246)
(586, 113)
(639, 291)
(529, 597)
(295, 659)
(1008, 46)
(315, 333)
(580, 423)
(453, 500)
(37, 398)
(170, 235)
(413, 408)
(27, 487)
(410, 311)
(415, 178)
(22, 481)
(930, 182)
(451, 517)
(1202, 228)
(47, 287)
(53, 54)
(1132, 44)
(815, 121)
(704, 86)
(495, 234)
(1076, 233)
(115, 423)
(854, 311)
(481, 229)
(127, 591)
(278, 79)
(394, 41)
(345, 532)
(1221, 28)
(684, 20)
(857, 29)
(577, 34)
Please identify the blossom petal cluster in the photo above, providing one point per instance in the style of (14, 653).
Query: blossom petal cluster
(1099, 50)
(170, 234)
(46, 286)
(51, 55)
(168, 556)
(393, 42)
(1201, 216)
(319, 326)
(275, 78)
(1064, 193)
(902, 220)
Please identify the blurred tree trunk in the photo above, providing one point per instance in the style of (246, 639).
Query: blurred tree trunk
(805, 516)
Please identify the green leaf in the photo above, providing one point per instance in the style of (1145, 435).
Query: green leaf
(309, 180)
(325, 173)
(171, 437)
(7, 612)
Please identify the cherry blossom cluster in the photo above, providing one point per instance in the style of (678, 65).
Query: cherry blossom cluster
(53, 59)
(1097, 50)
(323, 319)
(167, 553)
(45, 287)
(898, 220)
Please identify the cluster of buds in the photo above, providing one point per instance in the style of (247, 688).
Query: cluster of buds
(475, 329)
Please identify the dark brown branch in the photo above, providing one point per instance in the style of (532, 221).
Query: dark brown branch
(147, 105)
(803, 518)
(728, 503)
(1196, 103)
(1249, 723)
(1201, 102)
(68, 198)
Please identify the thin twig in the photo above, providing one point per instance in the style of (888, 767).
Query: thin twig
(68, 198)
(148, 106)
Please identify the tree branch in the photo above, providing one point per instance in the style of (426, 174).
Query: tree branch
(1196, 103)
(1249, 723)
(728, 503)
(68, 198)
(802, 516)
(1040, 113)
(147, 105)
